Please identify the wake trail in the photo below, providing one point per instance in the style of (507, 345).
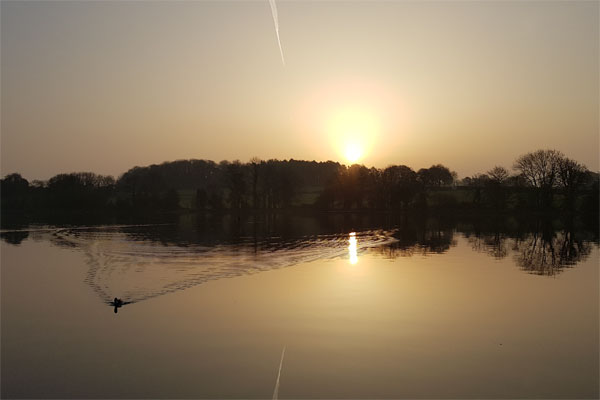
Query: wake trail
(78, 228)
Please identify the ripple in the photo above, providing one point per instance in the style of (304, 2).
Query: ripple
(125, 266)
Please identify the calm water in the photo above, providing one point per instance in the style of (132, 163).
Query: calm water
(403, 309)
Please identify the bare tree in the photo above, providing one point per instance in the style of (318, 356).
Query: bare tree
(498, 174)
(495, 187)
(572, 176)
(540, 170)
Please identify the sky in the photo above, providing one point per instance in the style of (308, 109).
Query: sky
(105, 86)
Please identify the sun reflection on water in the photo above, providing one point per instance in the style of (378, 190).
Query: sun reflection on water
(352, 249)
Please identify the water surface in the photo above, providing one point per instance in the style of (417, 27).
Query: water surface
(409, 309)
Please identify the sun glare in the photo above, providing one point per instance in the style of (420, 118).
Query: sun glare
(353, 152)
(353, 131)
(352, 248)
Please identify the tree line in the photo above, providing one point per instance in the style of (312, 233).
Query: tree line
(544, 180)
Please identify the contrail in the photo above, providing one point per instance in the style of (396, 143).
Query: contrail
(276, 22)
(276, 391)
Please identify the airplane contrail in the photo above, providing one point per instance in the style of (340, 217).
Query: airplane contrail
(276, 22)
(276, 391)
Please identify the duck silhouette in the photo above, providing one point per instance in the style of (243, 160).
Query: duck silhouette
(118, 303)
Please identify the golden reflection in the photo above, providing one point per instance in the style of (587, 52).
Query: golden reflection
(352, 249)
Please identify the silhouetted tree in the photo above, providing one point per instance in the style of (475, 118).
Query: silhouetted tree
(374, 189)
(495, 189)
(572, 177)
(237, 185)
(80, 190)
(540, 170)
(591, 199)
(256, 164)
(14, 190)
(350, 186)
(277, 184)
(498, 175)
(477, 185)
(401, 184)
(436, 175)
(201, 199)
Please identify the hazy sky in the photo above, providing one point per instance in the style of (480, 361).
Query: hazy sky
(103, 86)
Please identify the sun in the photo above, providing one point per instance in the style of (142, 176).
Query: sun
(353, 152)
(353, 131)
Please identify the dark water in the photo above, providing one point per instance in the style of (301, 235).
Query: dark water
(364, 308)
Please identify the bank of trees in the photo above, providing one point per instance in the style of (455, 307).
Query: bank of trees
(206, 185)
(396, 187)
(74, 191)
(540, 181)
(543, 180)
(258, 184)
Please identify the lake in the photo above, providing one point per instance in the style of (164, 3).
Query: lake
(301, 307)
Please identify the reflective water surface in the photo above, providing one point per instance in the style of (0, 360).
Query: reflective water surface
(301, 307)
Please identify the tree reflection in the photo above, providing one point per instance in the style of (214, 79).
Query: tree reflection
(424, 236)
(538, 246)
(14, 237)
(549, 253)
(139, 262)
(495, 245)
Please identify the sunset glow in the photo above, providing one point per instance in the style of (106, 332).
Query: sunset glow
(353, 152)
(214, 75)
(184, 186)
(353, 132)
